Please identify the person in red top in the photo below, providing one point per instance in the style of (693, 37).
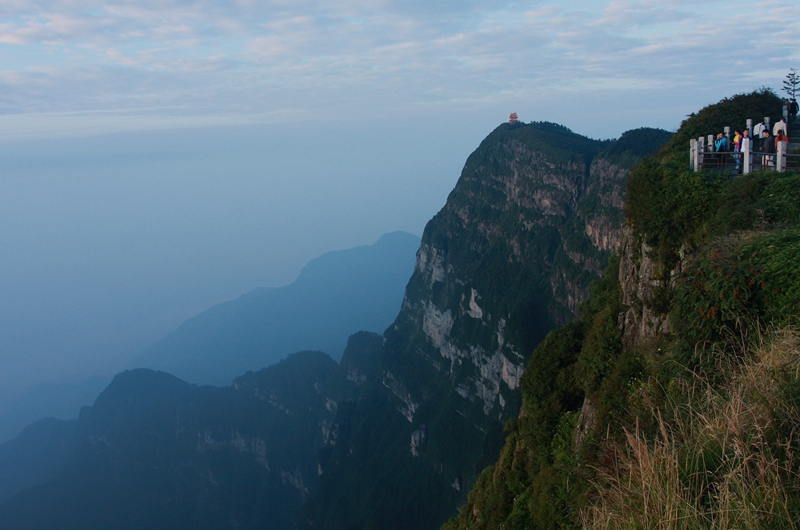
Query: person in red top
(780, 137)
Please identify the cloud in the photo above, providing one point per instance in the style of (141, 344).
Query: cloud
(336, 57)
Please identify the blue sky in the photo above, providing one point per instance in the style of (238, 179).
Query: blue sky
(160, 156)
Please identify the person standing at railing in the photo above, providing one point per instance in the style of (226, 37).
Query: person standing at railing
(746, 147)
(721, 146)
(781, 137)
(721, 143)
(758, 133)
(793, 108)
(768, 149)
(737, 145)
(780, 125)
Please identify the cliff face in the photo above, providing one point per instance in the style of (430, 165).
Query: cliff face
(476, 293)
(529, 225)
(642, 283)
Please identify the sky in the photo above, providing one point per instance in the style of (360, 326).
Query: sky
(77, 67)
(157, 157)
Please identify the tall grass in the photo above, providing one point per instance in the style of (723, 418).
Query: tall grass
(722, 455)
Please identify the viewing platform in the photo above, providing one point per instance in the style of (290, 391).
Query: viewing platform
(703, 157)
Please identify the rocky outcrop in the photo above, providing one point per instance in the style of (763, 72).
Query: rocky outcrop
(512, 200)
(643, 284)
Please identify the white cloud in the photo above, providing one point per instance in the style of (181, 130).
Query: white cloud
(239, 57)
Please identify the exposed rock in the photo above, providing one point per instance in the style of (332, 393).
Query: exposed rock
(604, 234)
(639, 281)
(418, 439)
(586, 423)
(406, 406)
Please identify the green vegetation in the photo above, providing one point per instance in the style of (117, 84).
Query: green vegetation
(733, 112)
(791, 84)
(634, 145)
(692, 425)
(724, 454)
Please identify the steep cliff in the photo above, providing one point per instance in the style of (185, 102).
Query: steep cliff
(530, 224)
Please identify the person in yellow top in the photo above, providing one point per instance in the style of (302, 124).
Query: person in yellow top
(737, 146)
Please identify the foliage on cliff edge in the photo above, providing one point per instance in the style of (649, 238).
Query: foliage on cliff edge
(693, 428)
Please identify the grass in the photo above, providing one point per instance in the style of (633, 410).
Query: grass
(723, 456)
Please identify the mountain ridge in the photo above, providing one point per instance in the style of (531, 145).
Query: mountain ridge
(337, 293)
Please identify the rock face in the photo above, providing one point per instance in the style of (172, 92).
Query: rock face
(640, 281)
(476, 292)
(530, 224)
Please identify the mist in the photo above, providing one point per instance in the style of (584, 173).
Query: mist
(110, 242)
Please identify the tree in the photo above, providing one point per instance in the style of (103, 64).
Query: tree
(791, 84)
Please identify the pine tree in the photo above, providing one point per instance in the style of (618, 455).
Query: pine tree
(792, 83)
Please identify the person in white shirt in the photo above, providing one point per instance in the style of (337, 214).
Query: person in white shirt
(780, 125)
(745, 139)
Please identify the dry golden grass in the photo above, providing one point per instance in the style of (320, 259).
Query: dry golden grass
(725, 458)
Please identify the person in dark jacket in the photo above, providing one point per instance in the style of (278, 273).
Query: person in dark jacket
(768, 148)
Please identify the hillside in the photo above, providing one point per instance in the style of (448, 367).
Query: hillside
(671, 401)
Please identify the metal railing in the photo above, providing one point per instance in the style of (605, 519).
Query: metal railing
(740, 162)
(792, 162)
(703, 157)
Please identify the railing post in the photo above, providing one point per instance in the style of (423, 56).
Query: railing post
(750, 127)
(786, 113)
(747, 156)
(692, 154)
(766, 124)
(780, 161)
(727, 131)
(698, 165)
(710, 142)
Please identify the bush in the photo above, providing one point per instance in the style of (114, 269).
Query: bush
(739, 285)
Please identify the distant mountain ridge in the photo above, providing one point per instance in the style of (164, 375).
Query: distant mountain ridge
(193, 457)
(336, 294)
